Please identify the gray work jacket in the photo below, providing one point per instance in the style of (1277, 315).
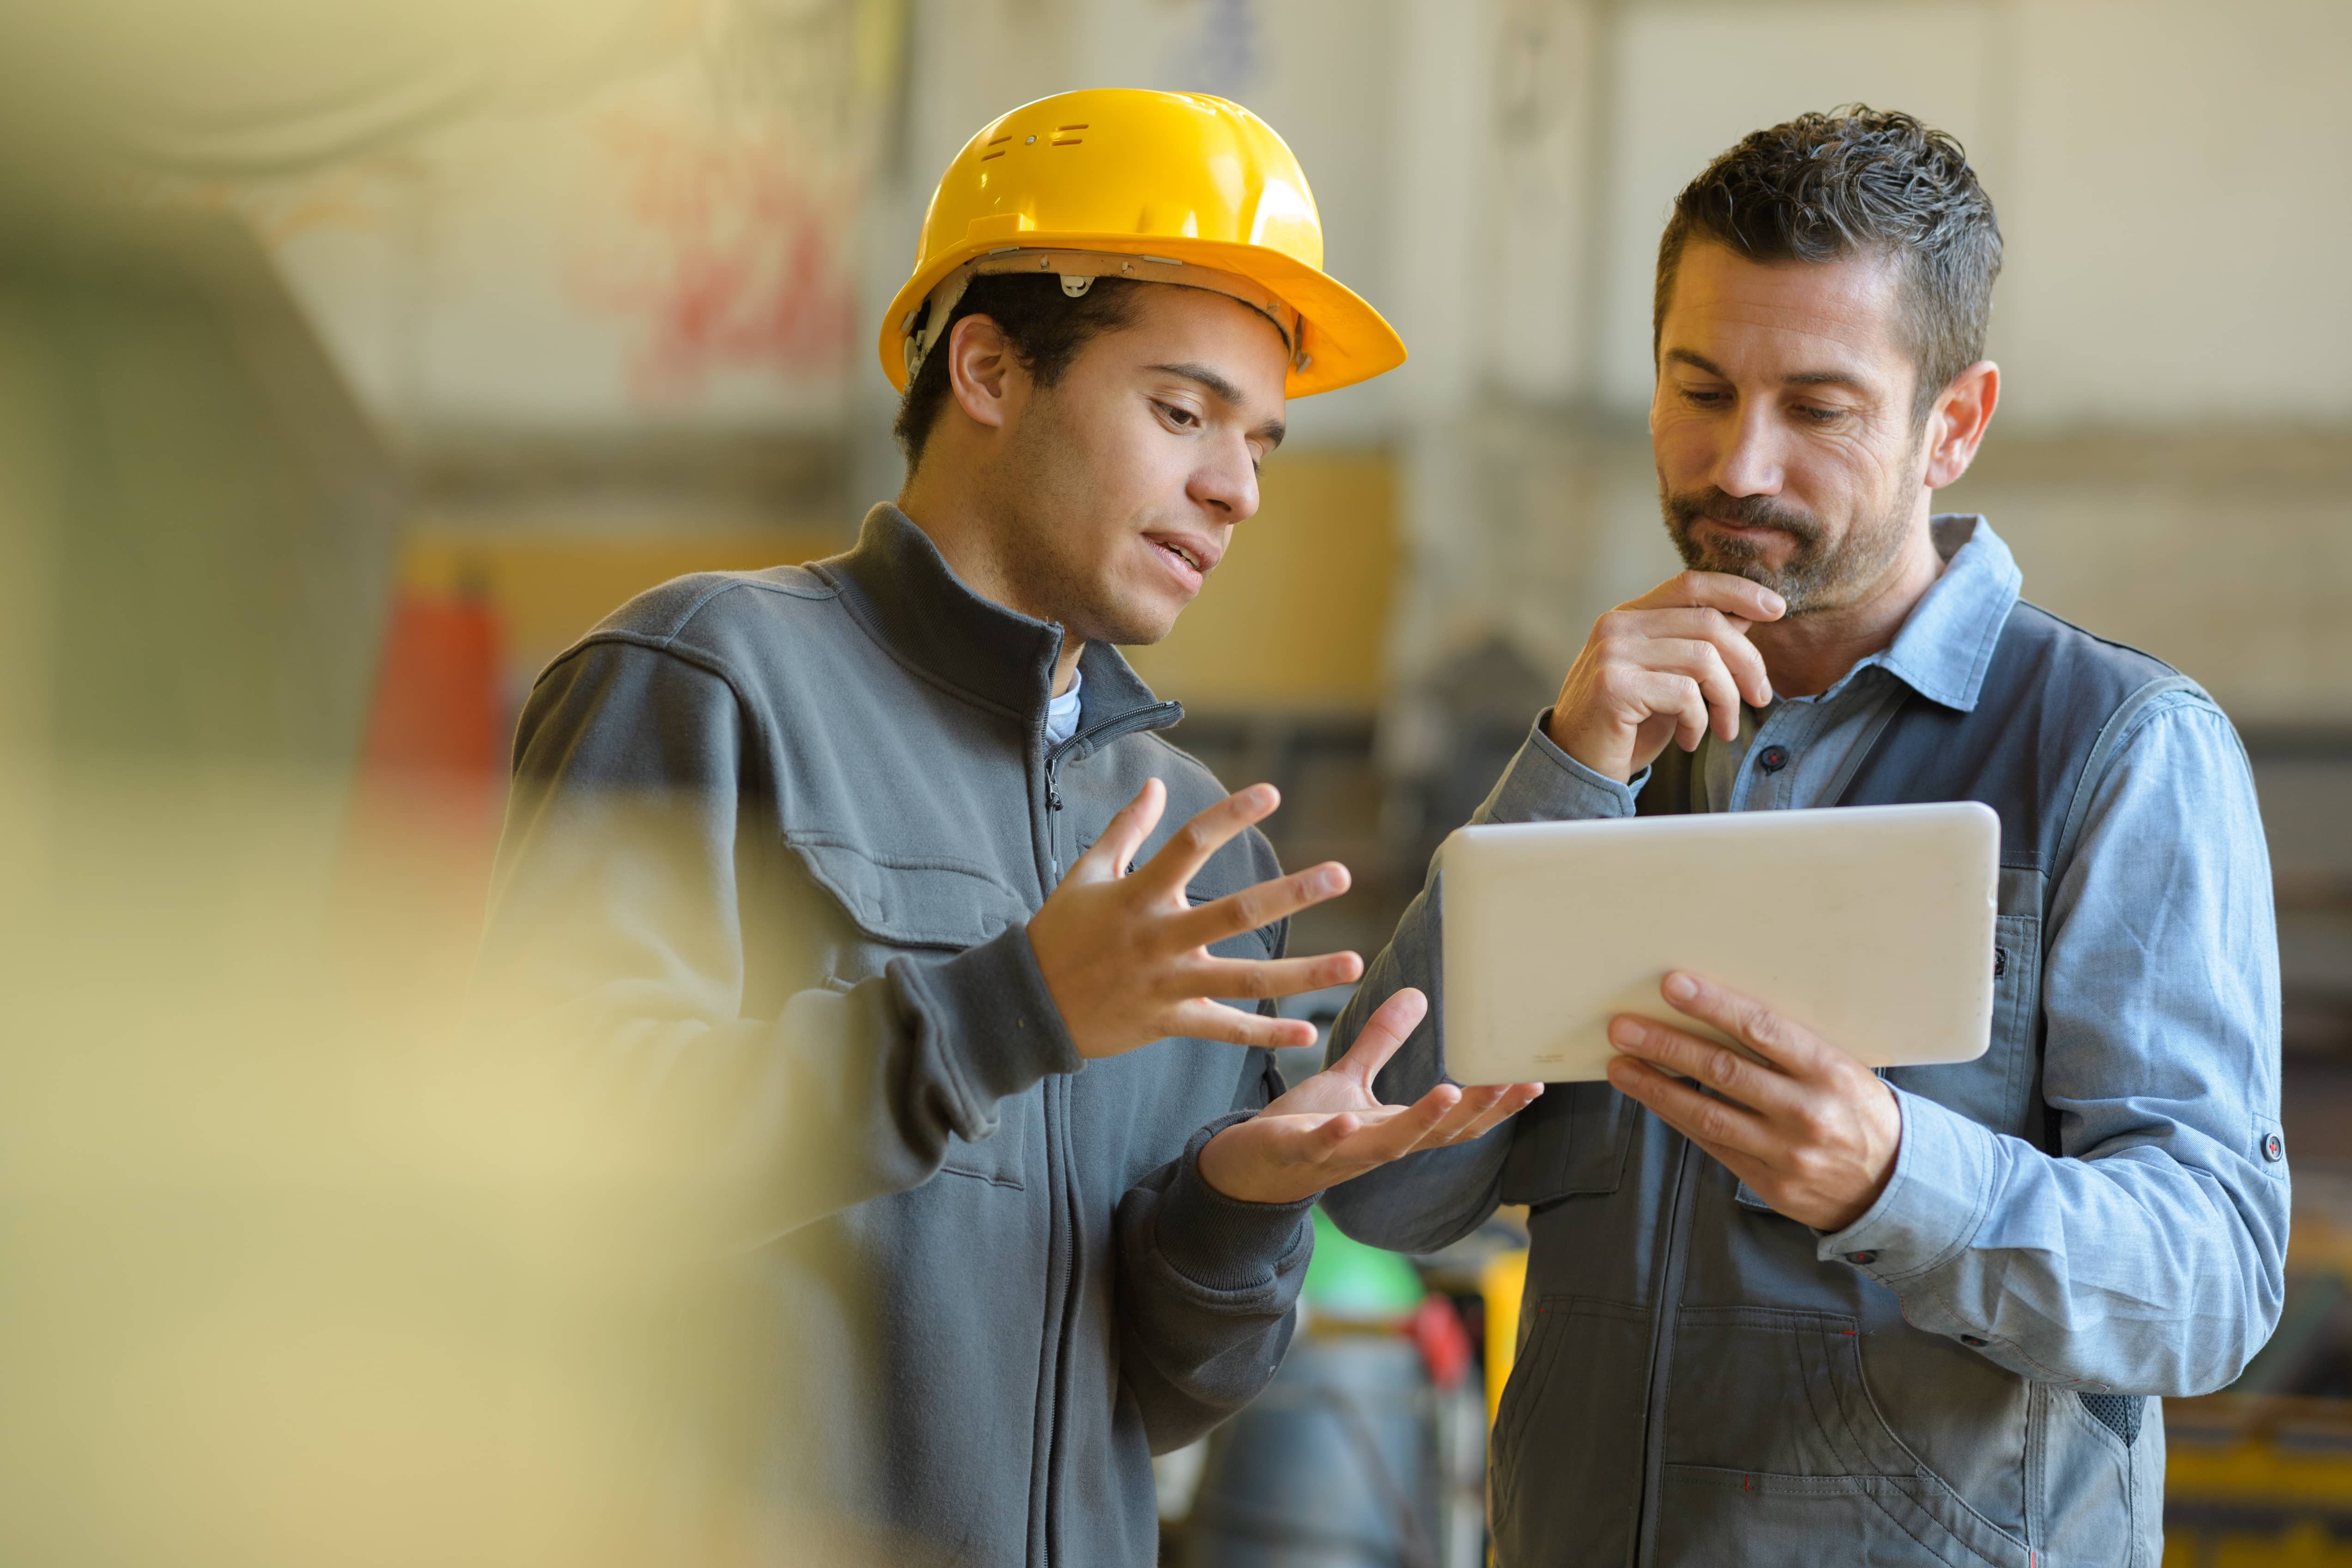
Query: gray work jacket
(936, 1288)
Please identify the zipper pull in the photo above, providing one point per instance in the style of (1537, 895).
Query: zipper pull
(1052, 793)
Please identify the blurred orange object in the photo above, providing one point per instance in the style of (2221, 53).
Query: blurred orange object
(436, 707)
(424, 824)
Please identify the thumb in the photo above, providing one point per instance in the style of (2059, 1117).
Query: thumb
(1123, 835)
(1389, 1026)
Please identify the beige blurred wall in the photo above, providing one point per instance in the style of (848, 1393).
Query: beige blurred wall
(2173, 322)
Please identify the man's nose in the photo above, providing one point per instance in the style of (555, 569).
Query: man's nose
(1226, 483)
(1752, 463)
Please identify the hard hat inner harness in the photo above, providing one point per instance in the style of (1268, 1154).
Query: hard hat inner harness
(925, 324)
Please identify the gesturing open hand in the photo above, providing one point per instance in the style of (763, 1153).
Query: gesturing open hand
(1125, 953)
(1333, 1126)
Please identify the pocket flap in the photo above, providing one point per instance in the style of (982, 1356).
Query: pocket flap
(909, 901)
(1570, 1143)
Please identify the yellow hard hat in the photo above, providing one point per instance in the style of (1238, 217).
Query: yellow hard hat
(1164, 187)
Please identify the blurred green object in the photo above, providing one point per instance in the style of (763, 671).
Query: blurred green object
(1350, 1282)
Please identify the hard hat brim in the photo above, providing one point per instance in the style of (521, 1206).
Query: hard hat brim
(1344, 339)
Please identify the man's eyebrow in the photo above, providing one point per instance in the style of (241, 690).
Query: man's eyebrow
(1801, 378)
(1225, 392)
(1696, 361)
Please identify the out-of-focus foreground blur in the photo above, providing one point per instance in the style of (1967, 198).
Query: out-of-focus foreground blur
(355, 358)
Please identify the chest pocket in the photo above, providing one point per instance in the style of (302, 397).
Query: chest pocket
(920, 904)
(1570, 1143)
(2002, 1089)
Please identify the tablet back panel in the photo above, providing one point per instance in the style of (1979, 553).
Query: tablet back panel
(1871, 925)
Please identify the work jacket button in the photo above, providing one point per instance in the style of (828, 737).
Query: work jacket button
(2274, 1148)
(1772, 759)
(1861, 1257)
(1973, 1342)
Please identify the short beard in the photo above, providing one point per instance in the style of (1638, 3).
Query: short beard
(1821, 573)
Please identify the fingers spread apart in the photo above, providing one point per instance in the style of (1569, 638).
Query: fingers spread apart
(1189, 848)
(1257, 906)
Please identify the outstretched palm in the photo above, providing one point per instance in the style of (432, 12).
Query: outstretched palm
(1334, 1126)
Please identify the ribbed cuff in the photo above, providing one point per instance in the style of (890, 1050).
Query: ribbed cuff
(1935, 1199)
(1544, 784)
(1222, 1243)
(993, 1021)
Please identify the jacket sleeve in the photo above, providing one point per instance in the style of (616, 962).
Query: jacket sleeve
(2146, 1258)
(1208, 1284)
(1424, 1201)
(612, 979)
(1209, 1292)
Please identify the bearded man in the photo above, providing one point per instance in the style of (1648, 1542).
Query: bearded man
(1782, 1310)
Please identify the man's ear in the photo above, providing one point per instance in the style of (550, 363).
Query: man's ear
(986, 376)
(1957, 424)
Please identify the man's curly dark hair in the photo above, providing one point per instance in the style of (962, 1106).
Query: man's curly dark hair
(1823, 186)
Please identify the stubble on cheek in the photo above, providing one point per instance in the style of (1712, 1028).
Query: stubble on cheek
(1081, 558)
(1823, 571)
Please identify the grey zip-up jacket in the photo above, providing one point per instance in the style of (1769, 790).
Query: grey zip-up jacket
(939, 1288)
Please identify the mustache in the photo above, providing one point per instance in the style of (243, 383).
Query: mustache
(1748, 511)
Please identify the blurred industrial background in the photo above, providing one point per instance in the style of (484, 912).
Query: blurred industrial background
(354, 359)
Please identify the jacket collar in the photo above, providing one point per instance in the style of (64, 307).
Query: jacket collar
(899, 585)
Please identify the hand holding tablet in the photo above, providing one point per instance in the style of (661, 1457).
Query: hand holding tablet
(1772, 957)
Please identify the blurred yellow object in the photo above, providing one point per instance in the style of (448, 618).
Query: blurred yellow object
(1501, 1282)
(1163, 187)
(2258, 1478)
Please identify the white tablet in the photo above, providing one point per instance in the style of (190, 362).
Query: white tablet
(1871, 925)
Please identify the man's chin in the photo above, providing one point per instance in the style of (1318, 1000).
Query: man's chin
(1139, 619)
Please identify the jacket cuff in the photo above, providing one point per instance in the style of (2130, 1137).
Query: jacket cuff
(1544, 784)
(993, 1024)
(1937, 1198)
(1221, 1243)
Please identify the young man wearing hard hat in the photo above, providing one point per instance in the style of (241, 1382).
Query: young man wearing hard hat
(890, 926)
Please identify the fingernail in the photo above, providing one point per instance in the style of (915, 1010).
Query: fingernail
(1681, 988)
(1625, 1032)
(1327, 880)
(1774, 603)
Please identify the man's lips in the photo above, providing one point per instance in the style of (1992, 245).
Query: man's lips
(1193, 559)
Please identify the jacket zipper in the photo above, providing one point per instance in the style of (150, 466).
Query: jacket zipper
(1159, 716)
(1662, 1357)
(1061, 1202)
